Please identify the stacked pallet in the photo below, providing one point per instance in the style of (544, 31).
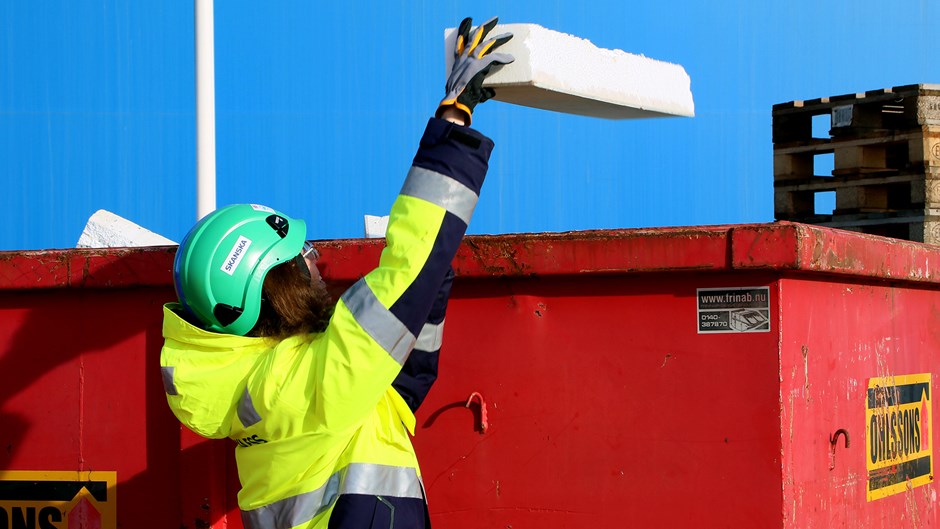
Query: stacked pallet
(886, 162)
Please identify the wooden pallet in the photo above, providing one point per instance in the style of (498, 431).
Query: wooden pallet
(885, 147)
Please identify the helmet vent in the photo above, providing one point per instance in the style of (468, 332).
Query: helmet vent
(278, 224)
(226, 314)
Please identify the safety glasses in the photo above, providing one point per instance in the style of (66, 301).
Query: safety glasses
(310, 252)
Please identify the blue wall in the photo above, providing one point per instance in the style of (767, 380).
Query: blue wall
(320, 105)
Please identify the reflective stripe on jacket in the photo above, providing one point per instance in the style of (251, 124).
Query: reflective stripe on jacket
(318, 424)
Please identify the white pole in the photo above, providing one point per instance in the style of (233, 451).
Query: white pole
(205, 109)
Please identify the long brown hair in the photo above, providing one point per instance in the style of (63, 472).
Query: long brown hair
(291, 305)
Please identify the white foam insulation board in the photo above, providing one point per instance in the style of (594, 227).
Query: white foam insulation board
(561, 72)
(107, 230)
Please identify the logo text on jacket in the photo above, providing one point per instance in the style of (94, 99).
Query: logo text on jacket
(245, 442)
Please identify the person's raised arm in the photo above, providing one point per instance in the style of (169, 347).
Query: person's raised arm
(378, 320)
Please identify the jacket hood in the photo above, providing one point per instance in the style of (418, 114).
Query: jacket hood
(205, 373)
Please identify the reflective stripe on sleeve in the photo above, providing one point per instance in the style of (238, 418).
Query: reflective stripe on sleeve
(357, 478)
(387, 330)
(169, 386)
(431, 337)
(442, 191)
(246, 410)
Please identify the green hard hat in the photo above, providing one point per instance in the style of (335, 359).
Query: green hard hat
(221, 264)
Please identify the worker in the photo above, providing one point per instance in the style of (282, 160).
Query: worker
(320, 397)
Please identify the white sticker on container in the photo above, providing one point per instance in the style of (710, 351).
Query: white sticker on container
(735, 309)
(235, 256)
(259, 207)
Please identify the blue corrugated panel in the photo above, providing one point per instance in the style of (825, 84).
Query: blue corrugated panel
(320, 105)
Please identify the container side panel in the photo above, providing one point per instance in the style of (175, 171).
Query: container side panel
(605, 408)
(837, 338)
(80, 391)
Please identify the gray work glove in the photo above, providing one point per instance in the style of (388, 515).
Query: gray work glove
(473, 61)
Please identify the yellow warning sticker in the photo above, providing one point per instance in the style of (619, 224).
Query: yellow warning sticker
(899, 434)
(58, 499)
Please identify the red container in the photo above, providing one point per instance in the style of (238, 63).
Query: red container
(773, 375)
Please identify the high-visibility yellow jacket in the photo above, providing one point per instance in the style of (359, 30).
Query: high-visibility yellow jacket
(323, 437)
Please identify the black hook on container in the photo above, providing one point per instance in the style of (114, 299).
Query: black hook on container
(834, 438)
